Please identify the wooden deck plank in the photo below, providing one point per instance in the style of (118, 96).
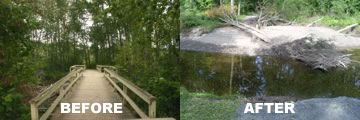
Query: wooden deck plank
(92, 88)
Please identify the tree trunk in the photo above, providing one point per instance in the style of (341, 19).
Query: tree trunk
(232, 7)
(191, 3)
(239, 8)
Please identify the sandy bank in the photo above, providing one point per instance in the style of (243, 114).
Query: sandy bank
(236, 41)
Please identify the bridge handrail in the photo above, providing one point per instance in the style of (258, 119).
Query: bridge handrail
(147, 97)
(101, 67)
(56, 87)
(77, 67)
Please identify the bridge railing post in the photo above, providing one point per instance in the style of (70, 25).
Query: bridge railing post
(125, 91)
(34, 112)
(152, 109)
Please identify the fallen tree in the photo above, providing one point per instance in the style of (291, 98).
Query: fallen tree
(317, 53)
(350, 27)
(256, 32)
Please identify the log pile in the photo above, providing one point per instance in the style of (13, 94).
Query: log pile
(319, 54)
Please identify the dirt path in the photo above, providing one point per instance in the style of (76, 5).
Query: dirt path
(92, 88)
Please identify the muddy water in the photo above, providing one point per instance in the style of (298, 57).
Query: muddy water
(264, 76)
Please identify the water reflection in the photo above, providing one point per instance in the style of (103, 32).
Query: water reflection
(263, 76)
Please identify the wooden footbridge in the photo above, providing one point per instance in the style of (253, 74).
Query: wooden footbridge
(82, 85)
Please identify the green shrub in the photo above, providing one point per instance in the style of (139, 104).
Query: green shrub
(290, 9)
(12, 105)
(219, 12)
(339, 22)
(16, 61)
(198, 106)
(204, 4)
(191, 18)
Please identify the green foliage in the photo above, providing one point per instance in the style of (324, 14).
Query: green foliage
(219, 12)
(199, 108)
(339, 23)
(206, 13)
(291, 9)
(210, 95)
(191, 18)
(336, 13)
(204, 4)
(343, 8)
(61, 28)
(10, 105)
(197, 4)
(300, 9)
(141, 38)
(16, 59)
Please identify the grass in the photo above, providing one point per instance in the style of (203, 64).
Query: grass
(209, 95)
(332, 22)
(196, 106)
(338, 23)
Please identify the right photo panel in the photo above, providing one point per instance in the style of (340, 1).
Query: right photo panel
(270, 59)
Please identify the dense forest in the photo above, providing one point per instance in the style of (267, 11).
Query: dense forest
(41, 39)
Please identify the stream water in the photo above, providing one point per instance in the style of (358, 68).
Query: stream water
(264, 75)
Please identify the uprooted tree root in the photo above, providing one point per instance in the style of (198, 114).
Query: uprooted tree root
(317, 53)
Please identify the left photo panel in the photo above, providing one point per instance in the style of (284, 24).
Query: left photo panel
(89, 59)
